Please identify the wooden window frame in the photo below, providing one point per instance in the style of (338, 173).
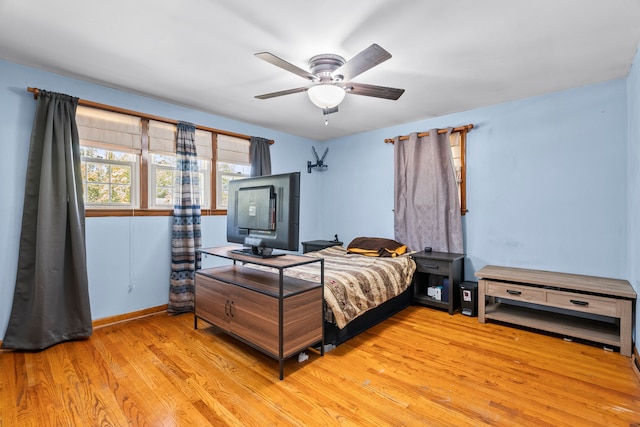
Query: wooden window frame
(145, 207)
(143, 184)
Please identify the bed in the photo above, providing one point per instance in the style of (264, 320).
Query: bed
(359, 291)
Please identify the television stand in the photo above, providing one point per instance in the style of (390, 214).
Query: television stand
(595, 309)
(276, 314)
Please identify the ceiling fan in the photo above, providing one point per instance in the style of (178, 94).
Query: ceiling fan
(331, 76)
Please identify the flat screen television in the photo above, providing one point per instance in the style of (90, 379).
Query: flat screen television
(264, 214)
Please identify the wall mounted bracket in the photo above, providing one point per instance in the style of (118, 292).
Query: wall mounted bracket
(319, 161)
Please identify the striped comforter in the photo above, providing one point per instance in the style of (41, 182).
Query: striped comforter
(355, 283)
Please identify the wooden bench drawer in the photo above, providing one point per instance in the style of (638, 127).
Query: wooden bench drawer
(515, 292)
(584, 303)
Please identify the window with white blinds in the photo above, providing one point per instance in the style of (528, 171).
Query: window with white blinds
(110, 146)
(116, 162)
(233, 162)
(162, 163)
(104, 129)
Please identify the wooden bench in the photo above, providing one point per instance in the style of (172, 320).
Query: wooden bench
(592, 308)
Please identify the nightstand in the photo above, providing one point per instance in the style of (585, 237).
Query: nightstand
(316, 245)
(436, 282)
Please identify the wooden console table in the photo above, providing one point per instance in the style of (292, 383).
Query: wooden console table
(276, 314)
(591, 308)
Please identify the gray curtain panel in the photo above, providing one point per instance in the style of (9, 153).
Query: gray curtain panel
(426, 205)
(186, 234)
(260, 156)
(51, 299)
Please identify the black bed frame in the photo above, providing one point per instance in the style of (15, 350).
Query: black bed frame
(334, 335)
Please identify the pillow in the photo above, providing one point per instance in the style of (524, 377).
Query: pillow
(376, 246)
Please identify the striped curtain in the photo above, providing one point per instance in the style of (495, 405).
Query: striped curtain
(186, 234)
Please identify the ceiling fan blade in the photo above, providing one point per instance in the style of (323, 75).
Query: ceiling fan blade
(282, 92)
(372, 90)
(365, 60)
(278, 62)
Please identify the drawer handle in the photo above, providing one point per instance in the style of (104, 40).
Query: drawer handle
(577, 302)
(512, 292)
(232, 310)
(226, 308)
(435, 267)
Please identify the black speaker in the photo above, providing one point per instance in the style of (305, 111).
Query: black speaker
(469, 298)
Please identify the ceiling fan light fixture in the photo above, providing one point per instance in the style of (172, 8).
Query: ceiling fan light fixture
(326, 95)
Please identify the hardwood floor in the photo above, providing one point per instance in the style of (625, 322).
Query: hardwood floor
(421, 367)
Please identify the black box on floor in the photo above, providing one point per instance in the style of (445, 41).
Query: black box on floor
(469, 298)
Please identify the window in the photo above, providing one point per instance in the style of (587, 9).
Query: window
(162, 162)
(162, 177)
(109, 178)
(456, 143)
(128, 163)
(110, 148)
(228, 172)
(232, 163)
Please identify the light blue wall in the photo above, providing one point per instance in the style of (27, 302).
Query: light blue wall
(633, 245)
(128, 258)
(546, 182)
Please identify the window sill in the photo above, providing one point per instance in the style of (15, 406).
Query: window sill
(95, 213)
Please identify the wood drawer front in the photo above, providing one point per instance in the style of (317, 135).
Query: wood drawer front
(211, 301)
(584, 303)
(255, 318)
(515, 292)
(435, 266)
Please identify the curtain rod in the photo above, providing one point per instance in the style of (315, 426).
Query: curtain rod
(465, 128)
(113, 109)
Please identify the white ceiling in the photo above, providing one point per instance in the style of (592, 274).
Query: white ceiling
(449, 55)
